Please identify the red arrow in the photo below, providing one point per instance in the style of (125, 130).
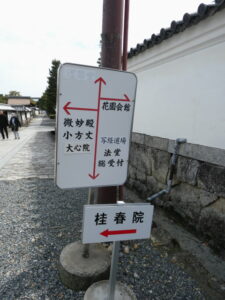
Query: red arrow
(67, 108)
(101, 80)
(126, 98)
(108, 232)
(93, 176)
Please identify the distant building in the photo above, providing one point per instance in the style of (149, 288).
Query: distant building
(19, 100)
(5, 107)
(23, 106)
(7, 110)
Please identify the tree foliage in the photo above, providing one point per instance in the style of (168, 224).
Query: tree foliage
(3, 98)
(48, 99)
(42, 102)
(14, 93)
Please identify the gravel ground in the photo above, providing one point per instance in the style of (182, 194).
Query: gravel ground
(37, 220)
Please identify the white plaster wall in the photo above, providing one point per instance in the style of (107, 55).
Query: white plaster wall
(23, 116)
(183, 96)
(28, 115)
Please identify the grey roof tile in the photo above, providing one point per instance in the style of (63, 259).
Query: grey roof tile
(204, 11)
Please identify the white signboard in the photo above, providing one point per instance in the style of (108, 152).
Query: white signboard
(108, 222)
(95, 109)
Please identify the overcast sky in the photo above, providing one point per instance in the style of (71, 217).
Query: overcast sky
(33, 33)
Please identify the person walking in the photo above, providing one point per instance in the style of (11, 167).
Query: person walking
(14, 124)
(3, 125)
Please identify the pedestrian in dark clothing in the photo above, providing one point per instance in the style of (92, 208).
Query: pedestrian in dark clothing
(3, 125)
(14, 123)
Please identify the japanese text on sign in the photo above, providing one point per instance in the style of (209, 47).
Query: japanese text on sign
(119, 218)
(94, 121)
(116, 222)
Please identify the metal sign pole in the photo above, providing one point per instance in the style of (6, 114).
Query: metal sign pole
(113, 270)
(86, 246)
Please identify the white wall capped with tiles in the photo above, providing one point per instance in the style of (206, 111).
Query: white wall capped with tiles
(181, 85)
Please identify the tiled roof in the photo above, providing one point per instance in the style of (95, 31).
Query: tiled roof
(18, 97)
(6, 107)
(204, 11)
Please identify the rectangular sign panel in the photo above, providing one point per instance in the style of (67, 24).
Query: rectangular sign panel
(95, 110)
(108, 222)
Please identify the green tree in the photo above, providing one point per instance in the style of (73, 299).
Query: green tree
(14, 93)
(3, 99)
(50, 93)
(42, 102)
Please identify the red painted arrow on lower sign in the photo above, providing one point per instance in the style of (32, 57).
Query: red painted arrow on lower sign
(108, 232)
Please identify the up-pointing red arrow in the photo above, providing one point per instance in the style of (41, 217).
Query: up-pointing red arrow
(100, 79)
(108, 232)
(94, 175)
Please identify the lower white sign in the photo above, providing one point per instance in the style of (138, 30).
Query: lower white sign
(113, 222)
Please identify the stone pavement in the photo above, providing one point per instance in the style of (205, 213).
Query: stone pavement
(31, 155)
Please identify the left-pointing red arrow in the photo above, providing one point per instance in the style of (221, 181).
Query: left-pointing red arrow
(108, 232)
(66, 107)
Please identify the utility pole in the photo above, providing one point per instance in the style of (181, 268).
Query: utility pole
(125, 34)
(124, 61)
(111, 57)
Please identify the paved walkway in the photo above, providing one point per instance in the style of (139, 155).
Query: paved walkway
(32, 155)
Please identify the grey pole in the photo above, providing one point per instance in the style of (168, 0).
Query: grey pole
(113, 270)
(173, 162)
(85, 253)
